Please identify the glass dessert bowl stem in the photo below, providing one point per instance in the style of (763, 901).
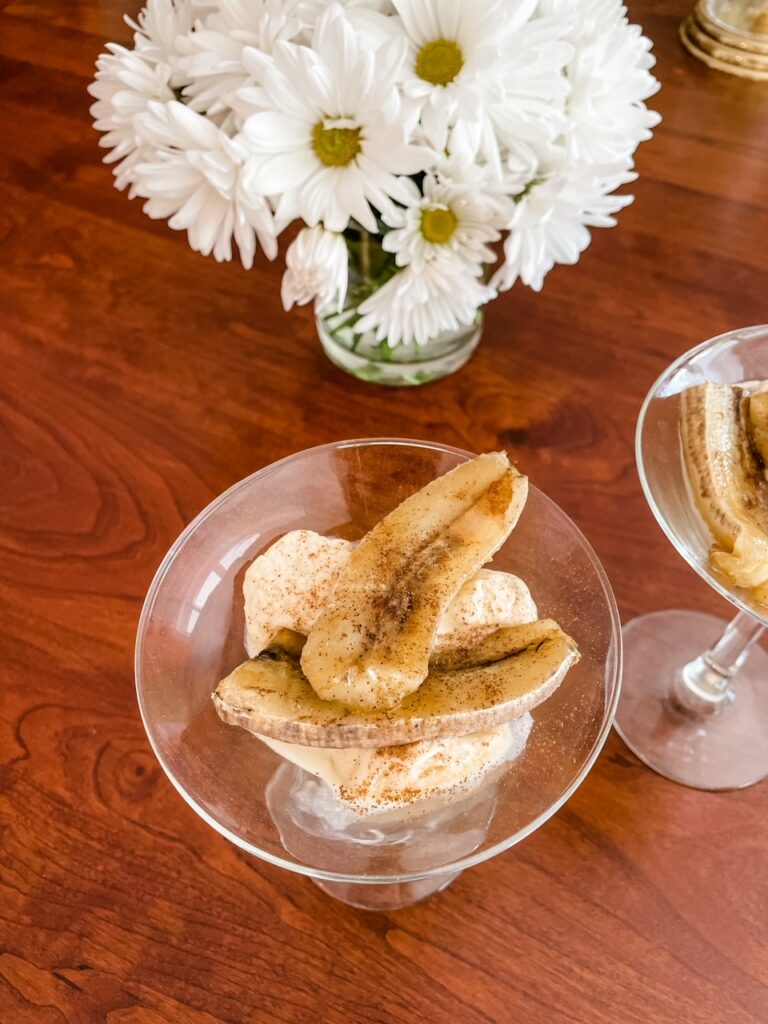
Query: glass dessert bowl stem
(387, 896)
(703, 686)
(694, 706)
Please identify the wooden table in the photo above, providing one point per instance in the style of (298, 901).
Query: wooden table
(138, 381)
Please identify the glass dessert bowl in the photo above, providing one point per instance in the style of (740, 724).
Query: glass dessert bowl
(695, 703)
(191, 636)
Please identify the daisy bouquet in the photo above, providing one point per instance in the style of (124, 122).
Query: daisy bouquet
(433, 151)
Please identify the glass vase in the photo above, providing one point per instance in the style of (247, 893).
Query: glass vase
(408, 364)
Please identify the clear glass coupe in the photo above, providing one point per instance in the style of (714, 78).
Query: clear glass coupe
(695, 693)
(191, 635)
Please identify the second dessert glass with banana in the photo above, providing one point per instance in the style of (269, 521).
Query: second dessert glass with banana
(695, 703)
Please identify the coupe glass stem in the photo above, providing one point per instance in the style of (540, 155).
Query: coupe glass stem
(703, 686)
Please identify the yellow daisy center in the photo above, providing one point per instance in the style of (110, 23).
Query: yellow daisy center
(439, 62)
(438, 225)
(336, 147)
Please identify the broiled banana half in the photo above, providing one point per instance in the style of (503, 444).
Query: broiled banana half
(724, 430)
(291, 584)
(758, 421)
(371, 647)
(468, 691)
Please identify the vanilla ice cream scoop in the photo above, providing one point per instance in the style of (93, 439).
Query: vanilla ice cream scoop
(289, 585)
(387, 778)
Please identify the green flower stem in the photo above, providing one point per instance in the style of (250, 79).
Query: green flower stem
(365, 257)
(370, 266)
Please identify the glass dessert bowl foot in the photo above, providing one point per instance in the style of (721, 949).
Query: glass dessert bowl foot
(389, 896)
(191, 635)
(312, 823)
(694, 704)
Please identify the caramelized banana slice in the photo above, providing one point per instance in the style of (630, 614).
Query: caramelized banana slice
(503, 677)
(758, 423)
(728, 477)
(371, 647)
(288, 587)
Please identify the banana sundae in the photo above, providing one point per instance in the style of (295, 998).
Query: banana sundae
(398, 669)
(724, 431)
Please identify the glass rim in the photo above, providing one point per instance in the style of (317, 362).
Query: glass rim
(712, 344)
(614, 683)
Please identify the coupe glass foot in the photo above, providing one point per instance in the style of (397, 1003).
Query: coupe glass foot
(727, 749)
(388, 896)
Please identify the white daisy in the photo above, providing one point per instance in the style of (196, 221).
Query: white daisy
(452, 66)
(193, 180)
(550, 223)
(253, 217)
(448, 222)
(330, 144)
(532, 114)
(216, 62)
(526, 113)
(125, 84)
(160, 27)
(371, 19)
(481, 180)
(357, 10)
(127, 80)
(415, 306)
(316, 270)
(519, 115)
(610, 77)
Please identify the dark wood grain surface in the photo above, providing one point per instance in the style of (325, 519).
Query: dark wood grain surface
(138, 381)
